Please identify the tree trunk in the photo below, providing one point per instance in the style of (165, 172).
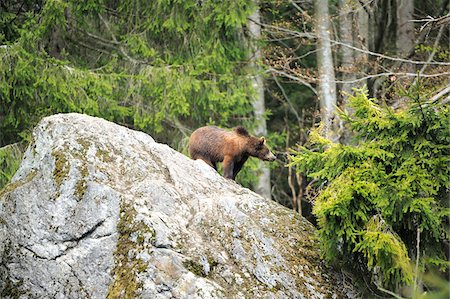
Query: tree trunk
(327, 81)
(362, 38)
(405, 40)
(262, 185)
(405, 27)
(349, 37)
(347, 54)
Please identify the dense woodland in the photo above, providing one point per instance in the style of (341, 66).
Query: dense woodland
(352, 96)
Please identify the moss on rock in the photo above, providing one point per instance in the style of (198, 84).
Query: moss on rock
(14, 185)
(80, 187)
(134, 236)
(194, 267)
(62, 167)
(11, 289)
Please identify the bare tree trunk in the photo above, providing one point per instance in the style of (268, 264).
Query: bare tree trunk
(327, 81)
(262, 185)
(347, 54)
(362, 37)
(348, 59)
(405, 27)
(405, 32)
(405, 41)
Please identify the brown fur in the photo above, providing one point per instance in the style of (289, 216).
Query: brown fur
(213, 145)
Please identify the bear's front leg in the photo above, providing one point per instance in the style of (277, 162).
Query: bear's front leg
(238, 166)
(228, 167)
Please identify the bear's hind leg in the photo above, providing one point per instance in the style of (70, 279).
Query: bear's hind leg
(209, 162)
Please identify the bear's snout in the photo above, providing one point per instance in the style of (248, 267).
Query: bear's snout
(270, 157)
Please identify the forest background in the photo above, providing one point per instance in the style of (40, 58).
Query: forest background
(375, 73)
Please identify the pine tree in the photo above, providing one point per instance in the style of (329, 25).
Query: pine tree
(385, 196)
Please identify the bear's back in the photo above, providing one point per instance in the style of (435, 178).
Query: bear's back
(209, 142)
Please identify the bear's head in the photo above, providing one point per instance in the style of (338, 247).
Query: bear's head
(258, 148)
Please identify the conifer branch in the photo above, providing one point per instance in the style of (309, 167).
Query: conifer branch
(122, 50)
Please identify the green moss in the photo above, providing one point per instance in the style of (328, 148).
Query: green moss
(85, 143)
(8, 288)
(198, 268)
(212, 263)
(277, 287)
(12, 186)
(11, 289)
(62, 167)
(194, 267)
(134, 236)
(80, 187)
(104, 156)
(10, 159)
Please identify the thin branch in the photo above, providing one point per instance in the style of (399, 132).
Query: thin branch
(430, 20)
(17, 13)
(288, 31)
(391, 58)
(176, 123)
(385, 74)
(294, 78)
(99, 38)
(294, 111)
(393, 73)
(297, 7)
(442, 93)
(122, 50)
(435, 46)
(90, 47)
(299, 179)
(389, 292)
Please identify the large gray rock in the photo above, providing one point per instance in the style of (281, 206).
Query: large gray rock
(100, 211)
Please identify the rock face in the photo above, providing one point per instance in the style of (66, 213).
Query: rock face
(100, 211)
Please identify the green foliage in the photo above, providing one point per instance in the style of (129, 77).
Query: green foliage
(33, 86)
(151, 65)
(378, 192)
(10, 158)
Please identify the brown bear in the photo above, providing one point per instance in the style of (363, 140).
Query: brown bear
(212, 145)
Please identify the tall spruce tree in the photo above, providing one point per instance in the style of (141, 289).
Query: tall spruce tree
(382, 202)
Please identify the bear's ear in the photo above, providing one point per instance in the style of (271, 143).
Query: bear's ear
(241, 131)
(262, 140)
